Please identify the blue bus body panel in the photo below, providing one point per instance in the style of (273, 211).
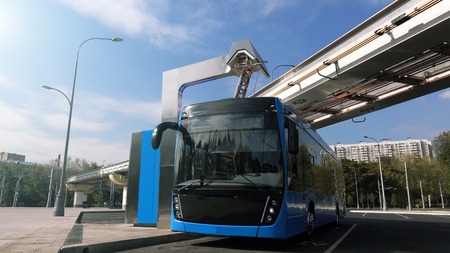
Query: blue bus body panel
(276, 231)
(296, 213)
(227, 230)
(223, 230)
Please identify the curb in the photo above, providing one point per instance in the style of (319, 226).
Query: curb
(127, 244)
(436, 213)
(82, 213)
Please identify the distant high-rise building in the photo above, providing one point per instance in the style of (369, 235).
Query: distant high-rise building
(368, 151)
(12, 157)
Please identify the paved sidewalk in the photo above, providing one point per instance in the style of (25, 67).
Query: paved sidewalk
(30, 229)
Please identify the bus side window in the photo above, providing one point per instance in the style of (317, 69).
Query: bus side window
(292, 138)
(305, 171)
(312, 160)
(291, 159)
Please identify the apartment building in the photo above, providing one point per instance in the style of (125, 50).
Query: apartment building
(5, 156)
(368, 151)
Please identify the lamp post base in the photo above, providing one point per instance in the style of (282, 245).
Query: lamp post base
(59, 206)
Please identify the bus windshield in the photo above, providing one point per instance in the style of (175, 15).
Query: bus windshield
(230, 150)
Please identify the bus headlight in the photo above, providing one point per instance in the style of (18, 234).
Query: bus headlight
(177, 207)
(274, 202)
(178, 214)
(271, 211)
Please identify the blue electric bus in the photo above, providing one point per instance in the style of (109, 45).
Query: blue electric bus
(251, 167)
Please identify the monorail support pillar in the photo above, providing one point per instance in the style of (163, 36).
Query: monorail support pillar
(81, 191)
(79, 198)
(122, 181)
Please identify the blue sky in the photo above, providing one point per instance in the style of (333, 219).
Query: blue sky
(118, 88)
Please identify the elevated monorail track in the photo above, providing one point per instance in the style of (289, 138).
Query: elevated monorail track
(100, 174)
(399, 54)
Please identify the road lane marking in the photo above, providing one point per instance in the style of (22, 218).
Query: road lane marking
(404, 216)
(330, 249)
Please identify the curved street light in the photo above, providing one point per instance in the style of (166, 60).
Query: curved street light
(51, 88)
(61, 197)
(381, 172)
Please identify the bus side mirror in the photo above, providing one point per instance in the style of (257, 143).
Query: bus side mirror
(292, 138)
(159, 130)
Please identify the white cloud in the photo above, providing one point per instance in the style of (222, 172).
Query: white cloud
(5, 82)
(55, 121)
(268, 7)
(99, 150)
(20, 133)
(95, 113)
(14, 117)
(445, 95)
(137, 18)
(379, 2)
(249, 11)
(167, 23)
(126, 107)
(101, 127)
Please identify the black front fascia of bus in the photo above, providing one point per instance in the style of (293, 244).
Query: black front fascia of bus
(227, 206)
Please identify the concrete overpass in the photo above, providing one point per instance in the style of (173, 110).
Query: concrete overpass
(82, 184)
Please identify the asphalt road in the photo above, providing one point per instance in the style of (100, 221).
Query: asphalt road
(359, 232)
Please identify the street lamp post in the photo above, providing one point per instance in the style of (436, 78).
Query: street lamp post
(381, 172)
(61, 196)
(50, 189)
(356, 189)
(407, 188)
(379, 194)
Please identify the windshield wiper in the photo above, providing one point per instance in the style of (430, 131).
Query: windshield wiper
(250, 181)
(201, 180)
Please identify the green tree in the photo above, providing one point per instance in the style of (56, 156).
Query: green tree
(362, 174)
(441, 146)
(372, 198)
(433, 173)
(34, 186)
(34, 181)
(350, 201)
(8, 183)
(394, 200)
